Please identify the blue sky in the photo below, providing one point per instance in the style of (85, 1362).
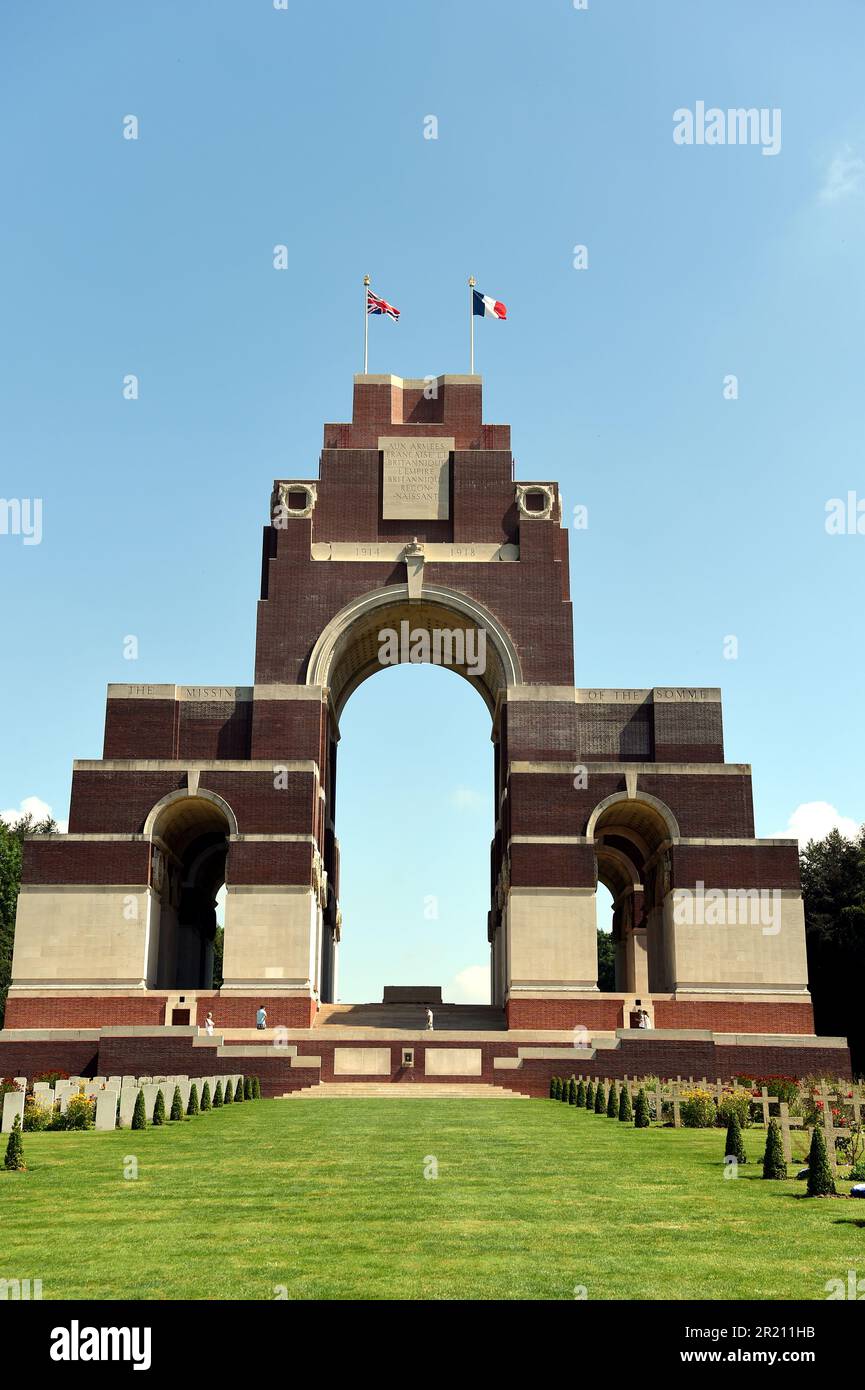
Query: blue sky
(305, 127)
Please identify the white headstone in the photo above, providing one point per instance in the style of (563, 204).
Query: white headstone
(66, 1097)
(13, 1105)
(128, 1097)
(106, 1108)
(150, 1093)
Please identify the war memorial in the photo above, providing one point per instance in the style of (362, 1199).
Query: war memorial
(413, 542)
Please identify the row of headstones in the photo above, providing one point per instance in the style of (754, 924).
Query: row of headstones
(671, 1093)
(111, 1093)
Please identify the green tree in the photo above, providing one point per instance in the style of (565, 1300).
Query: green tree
(612, 1103)
(256, 1088)
(606, 962)
(581, 1094)
(734, 1147)
(206, 1103)
(590, 1096)
(773, 1156)
(600, 1099)
(176, 1105)
(192, 1106)
(14, 1162)
(641, 1110)
(833, 887)
(217, 1096)
(11, 851)
(159, 1109)
(228, 1094)
(552, 1088)
(139, 1114)
(238, 1091)
(218, 951)
(626, 1109)
(572, 1091)
(820, 1180)
(247, 1088)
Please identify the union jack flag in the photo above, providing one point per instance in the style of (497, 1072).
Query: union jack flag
(374, 305)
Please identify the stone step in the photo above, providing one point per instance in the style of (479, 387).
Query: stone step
(446, 1017)
(401, 1090)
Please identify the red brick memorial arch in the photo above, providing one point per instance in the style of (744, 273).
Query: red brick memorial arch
(413, 525)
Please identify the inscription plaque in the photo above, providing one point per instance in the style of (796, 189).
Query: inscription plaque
(416, 478)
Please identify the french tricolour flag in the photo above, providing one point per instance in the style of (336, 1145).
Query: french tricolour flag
(487, 307)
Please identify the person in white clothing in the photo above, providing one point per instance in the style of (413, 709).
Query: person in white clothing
(208, 1024)
(429, 1019)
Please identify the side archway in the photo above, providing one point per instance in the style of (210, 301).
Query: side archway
(632, 836)
(189, 835)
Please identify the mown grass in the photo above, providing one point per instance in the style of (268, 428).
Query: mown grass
(328, 1199)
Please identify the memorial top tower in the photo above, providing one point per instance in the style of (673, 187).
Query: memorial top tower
(417, 468)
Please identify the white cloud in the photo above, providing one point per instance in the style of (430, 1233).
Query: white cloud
(843, 177)
(470, 986)
(813, 820)
(31, 806)
(467, 799)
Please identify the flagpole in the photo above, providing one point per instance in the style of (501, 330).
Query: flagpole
(365, 324)
(472, 283)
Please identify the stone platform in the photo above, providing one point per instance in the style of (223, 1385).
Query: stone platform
(287, 1060)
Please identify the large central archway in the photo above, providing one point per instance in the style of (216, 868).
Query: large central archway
(415, 819)
(463, 636)
(347, 652)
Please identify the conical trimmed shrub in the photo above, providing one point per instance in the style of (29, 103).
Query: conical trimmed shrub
(590, 1096)
(626, 1109)
(566, 1090)
(552, 1088)
(734, 1147)
(820, 1180)
(581, 1094)
(256, 1088)
(572, 1091)
(228, 1093)
(247, 1088)
(14, 1160)
(773, 1156)
(192, 1106)
(176, 1105)
(159, 1109)
(139, 1114)
(217, 1096)
(641, 1110)
(612, 1103)
(238, 1091)
(206, 1103)
(600, 1099)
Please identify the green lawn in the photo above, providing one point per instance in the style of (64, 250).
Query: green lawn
(329, 1199)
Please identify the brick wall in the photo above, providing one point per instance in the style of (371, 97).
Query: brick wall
(131, 1055)
(84, 1011)
(735, 1017)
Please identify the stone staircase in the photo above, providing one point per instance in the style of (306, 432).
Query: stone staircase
(456, 1018)
(402, 1090)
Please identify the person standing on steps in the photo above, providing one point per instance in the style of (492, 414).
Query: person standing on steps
(429, 1019)
(208, 1024)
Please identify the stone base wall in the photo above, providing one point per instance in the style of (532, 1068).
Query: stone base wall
(180, 1051)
